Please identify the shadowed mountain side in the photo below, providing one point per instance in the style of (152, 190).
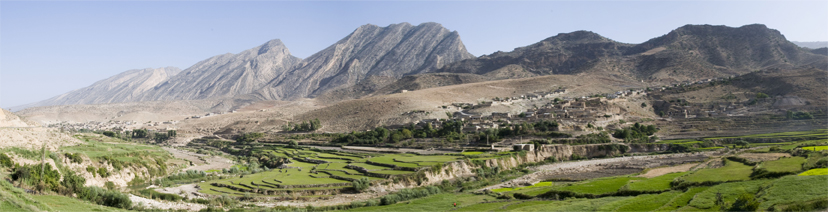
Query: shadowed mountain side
(393, 51)
(690, 52)
(126, 86)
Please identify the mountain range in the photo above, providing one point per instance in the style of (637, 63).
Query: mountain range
(397, 57)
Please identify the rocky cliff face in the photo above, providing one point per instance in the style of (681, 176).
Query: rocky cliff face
(392, 51)
(124, 87)
(227, 75)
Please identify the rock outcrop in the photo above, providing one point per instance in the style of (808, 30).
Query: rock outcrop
(227, 75)
(392, 51)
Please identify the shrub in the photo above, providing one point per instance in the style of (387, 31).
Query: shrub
(362, 184)
(109, 185)
(74, 157)
(5, 160)
(72, 182)
(104, 197)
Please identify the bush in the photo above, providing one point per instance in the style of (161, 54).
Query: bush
(5, 160)
(109, 185)
(110, 198)
(72, 182)
(161, 196)
(74, 157)
(362, 184)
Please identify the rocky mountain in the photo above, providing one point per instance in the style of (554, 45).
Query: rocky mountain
(565, 53)
(124, 87)
(392, 51)
(687, 53)
(227, 75)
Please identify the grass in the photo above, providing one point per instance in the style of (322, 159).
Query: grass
(15, 199)
(648, 202)
(793, 189)
(63, 203)
(389, 159)
(791, 164)
(682, 200)
(472, 153)
(536, 185)
(660, 183)
(484, 206)
(707, 199)
(815, 148)
(599, 186)
(392, 172)
(439, 202)
(571, 204)
(817, 171)
(369, 166)
(732, 171)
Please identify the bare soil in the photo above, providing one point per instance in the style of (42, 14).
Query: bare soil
(666, 170)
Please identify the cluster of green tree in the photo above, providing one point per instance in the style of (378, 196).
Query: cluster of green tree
(268, 159)
(249, 137)
(305, 126)
(592, 138)
(637, 133)
(44, 178)
(450, 131)
(798, 115)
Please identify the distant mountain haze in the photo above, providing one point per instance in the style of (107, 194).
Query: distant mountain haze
(812, 44)
(381, 60)
(124, 87)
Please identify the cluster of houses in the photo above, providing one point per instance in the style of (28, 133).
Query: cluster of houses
(114, 125)
(570, 113)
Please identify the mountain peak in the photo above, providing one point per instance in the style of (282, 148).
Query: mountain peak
(577, 36)
(272, 45)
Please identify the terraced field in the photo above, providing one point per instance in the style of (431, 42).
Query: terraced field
(322, 173)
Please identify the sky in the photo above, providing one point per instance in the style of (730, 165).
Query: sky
(53, 47)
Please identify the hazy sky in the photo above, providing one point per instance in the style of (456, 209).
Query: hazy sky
(49, 48)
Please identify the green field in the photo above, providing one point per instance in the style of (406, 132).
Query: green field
(63, 203)
(536, 185)
(792, 189)
(648, 202)
(707, 198)
(732, 171)
(791, 164)
(815, 148)
(682, 200)
(817, 171)
(599, 186)
(660, 183)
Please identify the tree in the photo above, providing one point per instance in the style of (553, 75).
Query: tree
(643, 104)
(139, 133)
(109, 133)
